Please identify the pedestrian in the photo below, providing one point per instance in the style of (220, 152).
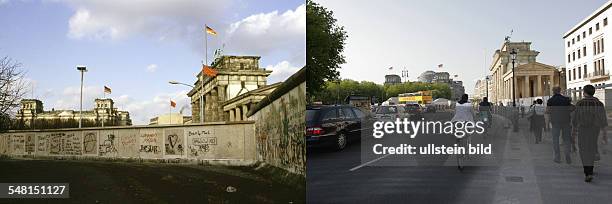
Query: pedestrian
(537, 117)
(559, 109)
(589, 119)
(530, 117)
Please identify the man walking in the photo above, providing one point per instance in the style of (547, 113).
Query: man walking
(559, 109)
(589, 118)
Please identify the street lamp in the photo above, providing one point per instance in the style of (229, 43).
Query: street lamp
(487, 85)
(82, 69)
(513, 57)
(201, 97)
(180, 83)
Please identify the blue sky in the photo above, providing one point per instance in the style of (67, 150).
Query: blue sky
(136, 47)
(461, 34)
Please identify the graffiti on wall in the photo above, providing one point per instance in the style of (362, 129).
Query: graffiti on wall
(279, 131)
(200, 141)
(90, 142)
(64, 143)
(128, 143)
(30, 143)
(17, 144)
(4, 144)
(108, 141)
(174, 141)
(150, 143)
(41, 144)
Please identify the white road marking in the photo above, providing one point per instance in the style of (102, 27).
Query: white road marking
(367, 163)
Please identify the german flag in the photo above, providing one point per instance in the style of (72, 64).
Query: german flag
(172, 103)
(209, 71)
(211, 31)
(107, 90)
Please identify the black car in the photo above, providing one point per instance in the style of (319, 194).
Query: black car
(333, 126)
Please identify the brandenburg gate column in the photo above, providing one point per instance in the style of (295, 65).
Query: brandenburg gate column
(220, 100)
(238, 114)
(207, 104)
(231, 115)
(526, 87)
(539, 86)
(214, 104)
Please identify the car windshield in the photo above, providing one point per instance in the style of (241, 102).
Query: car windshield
(311, 114)
(386, 110)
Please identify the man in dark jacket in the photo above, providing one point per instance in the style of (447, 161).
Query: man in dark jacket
(560, 107)
(589, 119)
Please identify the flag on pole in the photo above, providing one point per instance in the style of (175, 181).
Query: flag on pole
(107, 90)
(210, 31)
(209, 71)
(440, 65)
(172, 103)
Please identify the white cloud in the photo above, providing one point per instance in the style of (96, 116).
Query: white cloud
(160, 19)
(152, 68)
(267, 33)
(281, 71)
(141, 111)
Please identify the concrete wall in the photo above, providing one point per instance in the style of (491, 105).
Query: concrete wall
(280, 128)
(211, 141)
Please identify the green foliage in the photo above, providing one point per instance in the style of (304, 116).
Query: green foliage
(324, 46)
(335, 91)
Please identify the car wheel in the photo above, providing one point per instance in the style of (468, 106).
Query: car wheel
(341, 141)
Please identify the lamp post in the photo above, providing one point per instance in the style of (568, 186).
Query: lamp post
(184, 84)
(513, 57)
(487, 86)
(82, 69)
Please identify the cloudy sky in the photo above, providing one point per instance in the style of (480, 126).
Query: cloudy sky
(137, 46)
(463, 35)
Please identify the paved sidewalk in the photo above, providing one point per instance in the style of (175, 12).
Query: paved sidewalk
(529, 174)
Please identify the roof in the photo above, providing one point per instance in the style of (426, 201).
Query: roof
(586, 20)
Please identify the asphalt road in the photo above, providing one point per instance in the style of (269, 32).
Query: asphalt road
(330, 179)
(119, 182)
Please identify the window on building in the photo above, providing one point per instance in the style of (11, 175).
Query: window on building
(569, 59)
(580, 72)
(578, 38)
(573, 41)
(583, 34)
(584, 51)
(603, 66)
(578, 53)
(241, 66)
(605, 21)
(594, 47)
(602, 44)
(574, 70)
(590, 30)
(585, 70)
(596, 26)
(573, 56)
(595, 66)
(568, 43)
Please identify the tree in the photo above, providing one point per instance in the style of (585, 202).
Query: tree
(12, 87)
(324, 46)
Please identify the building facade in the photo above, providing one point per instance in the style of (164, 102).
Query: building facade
(529, 79)
(104, 113)
(392, 79)
(482, 88)
(236, 75)
(586, 59)
(457, 88)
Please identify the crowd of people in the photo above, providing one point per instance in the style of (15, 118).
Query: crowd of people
(581, 123)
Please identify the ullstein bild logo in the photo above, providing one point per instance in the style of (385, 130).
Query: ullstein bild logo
(405, 127)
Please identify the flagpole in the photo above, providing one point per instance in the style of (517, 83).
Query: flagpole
(202, 73)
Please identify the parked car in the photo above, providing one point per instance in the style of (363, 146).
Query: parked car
(413, 111)
(389, 112)
(333, 126)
